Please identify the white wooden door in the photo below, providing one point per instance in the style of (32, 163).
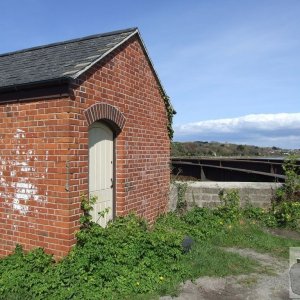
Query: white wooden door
(101, 170)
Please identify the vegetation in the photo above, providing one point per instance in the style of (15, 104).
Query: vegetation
(285, 210)
(130, 260)
(226, 149)
(170, 113)
(290, 191)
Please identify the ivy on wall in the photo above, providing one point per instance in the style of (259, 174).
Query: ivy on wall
(170, 113)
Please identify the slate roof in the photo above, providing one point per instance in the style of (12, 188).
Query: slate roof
(59, 61)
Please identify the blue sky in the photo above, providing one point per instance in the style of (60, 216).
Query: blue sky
(231, 67)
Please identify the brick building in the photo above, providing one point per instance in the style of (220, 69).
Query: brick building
(77, 117)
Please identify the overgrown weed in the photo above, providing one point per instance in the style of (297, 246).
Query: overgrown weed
(127, 260)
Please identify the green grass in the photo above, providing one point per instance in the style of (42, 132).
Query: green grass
(205, 259)
(210, 260)
(252, 236)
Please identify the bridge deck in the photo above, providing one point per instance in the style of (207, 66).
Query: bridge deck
(230, 168)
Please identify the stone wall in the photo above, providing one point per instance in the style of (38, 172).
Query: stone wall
(206, 194)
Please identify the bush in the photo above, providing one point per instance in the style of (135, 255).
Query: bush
(264, 216)
(230, 208)
(285, 210)
(287, 214)
(124, 258)
(283, 214)
(25, 276)
(203, 223)
(290, 190)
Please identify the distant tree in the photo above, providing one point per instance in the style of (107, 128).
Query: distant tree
(200, 148)
(177, 149)
(240, 148)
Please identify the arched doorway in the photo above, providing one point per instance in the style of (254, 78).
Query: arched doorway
(101, 170)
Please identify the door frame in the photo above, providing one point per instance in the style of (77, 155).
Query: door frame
(114, 165)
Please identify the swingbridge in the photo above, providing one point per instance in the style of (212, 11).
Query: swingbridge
(250, 169)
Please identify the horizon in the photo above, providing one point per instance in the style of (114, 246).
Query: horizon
(231, 143)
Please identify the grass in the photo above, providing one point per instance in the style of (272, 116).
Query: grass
(252, 236)
(128, 260)
(248, 281)
(209, 258)
(205, 259)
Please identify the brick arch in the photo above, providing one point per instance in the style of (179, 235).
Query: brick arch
(105, 112)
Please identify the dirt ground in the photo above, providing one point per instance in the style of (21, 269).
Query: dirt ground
(271, 282)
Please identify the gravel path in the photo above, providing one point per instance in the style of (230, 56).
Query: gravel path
(271, 282)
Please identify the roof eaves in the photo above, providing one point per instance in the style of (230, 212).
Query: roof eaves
(76, 75)
(53, 81)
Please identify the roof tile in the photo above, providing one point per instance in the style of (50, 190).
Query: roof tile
(57, 61)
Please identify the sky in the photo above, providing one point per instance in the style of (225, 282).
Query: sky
(230, 67)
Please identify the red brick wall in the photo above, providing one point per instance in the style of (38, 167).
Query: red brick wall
(126, 81)
(35, 208)
(44, 153)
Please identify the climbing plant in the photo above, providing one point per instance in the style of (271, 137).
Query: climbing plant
(170, 113)
(87, 206)
(290, 190)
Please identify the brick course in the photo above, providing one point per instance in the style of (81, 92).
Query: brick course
(44, 152)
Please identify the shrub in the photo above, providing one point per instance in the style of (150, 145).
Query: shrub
(287, 214)
(290, 190)
(265, 216)
(283, 214)
(25, 276)
(203, 222)
(107, 263)
(230, 208)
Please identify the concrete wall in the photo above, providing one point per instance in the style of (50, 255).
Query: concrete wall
(206, 194)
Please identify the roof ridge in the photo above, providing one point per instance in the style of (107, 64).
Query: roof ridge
(70, 41)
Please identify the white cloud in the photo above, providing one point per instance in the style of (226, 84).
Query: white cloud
(281, 130)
